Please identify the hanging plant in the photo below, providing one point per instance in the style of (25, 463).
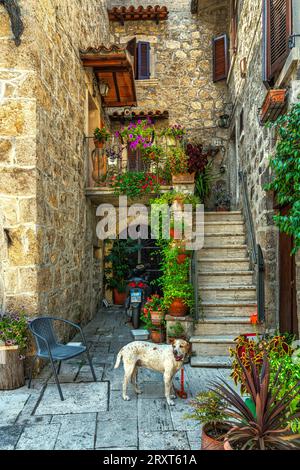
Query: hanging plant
(286, 168)
(138, 135)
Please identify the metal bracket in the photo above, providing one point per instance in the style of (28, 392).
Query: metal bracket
(16, 22)
(292, 40)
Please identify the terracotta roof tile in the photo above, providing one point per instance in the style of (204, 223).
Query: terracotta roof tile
(138, 13)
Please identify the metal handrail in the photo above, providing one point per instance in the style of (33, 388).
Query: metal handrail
(257, 258)
(194, 281)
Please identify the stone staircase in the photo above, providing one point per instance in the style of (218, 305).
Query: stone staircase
(226, 290)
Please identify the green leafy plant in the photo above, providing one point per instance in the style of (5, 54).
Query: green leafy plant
(178, 160)
(119, 262)
(175, 278)
(267, 428)
(153, 304)
(208, 408)
(154, 153)
(101, 135)
(14, 330)
(139, 135)
(171, 196)
(176, 331)
(177, 131)
(135, 184)
(204, 182)
(285, 164)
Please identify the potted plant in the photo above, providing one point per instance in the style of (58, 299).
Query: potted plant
(176, 331)
(178, 162)
(154, 308)
(273, 105)
(157, 331)
(101, 135)
(13, 343)
(135, 184)
(173, 134)
(138, 135)
(119, 262)
(209, 410)
(265, 427)
(222, 198)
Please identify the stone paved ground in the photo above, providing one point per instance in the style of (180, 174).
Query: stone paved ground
(93, 415)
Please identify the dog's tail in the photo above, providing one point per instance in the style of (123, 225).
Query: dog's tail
(119, 358)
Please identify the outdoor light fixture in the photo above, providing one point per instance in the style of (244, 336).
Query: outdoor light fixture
(104, 89)
(223, 122)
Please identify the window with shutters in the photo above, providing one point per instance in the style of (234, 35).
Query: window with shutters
(220, 58)
(135, 162)
(277, 27)
(143, 61)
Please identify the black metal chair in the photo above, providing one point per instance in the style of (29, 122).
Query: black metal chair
(49, 348)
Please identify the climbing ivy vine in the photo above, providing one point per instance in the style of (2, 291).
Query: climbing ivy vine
(286, 168)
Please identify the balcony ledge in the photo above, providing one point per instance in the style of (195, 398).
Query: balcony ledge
(101, 195)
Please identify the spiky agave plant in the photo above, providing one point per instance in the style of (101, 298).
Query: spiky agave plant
(267, 427)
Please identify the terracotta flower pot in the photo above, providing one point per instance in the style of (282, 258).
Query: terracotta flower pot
(98, 144)
(184, 178)
(119, 297)
(211, 443)
(178, 308)
(181, 258)
(172, 232)
(157, 336)
(156, 317)
(273, 105)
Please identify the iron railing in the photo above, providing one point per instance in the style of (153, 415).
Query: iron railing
(256, 254)
(194, 281)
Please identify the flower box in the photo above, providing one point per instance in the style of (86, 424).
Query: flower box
(183, 178)
(273, 105)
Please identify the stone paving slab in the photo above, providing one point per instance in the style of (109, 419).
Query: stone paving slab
(9, 436)
(38, 437)
(11, 404)
(154, 414)
(85, 374)
(117, 434)
(77, 432)
(163, 440)
(79, 398)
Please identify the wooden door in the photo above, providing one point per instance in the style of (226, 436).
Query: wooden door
(288, 321)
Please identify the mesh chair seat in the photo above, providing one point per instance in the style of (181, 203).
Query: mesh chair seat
(62, 351)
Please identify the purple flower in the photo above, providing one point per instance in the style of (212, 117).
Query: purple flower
(130, 136)
(139, 121)
(117, 134)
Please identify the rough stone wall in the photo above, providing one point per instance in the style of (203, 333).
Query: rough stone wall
(52, 269)
(257, 143)
(181, 61)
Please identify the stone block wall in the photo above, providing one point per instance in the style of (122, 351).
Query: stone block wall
(43, 91)
(181, 67)
(251, 149)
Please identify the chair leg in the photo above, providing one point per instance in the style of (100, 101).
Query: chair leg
(56, 379)
(91, 365)
(59, 367)
(31, 371)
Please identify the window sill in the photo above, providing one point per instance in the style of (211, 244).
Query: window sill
(291, 61)
(149, 82)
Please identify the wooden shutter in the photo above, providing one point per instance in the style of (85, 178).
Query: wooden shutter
(220, 58)
(277, 27)
(131, 48)
(143, 60)
(233, 25)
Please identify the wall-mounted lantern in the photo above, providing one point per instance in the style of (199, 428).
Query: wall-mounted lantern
(224, 120)
(104, 89)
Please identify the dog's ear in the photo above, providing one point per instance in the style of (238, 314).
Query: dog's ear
(188, 347)
(172, 340)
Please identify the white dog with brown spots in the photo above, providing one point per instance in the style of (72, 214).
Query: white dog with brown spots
(164, 358)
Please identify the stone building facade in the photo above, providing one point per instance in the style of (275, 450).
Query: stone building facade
(251, 144)
(45, 99)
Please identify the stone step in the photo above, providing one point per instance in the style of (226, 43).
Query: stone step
(209, 278)
(211, 361)
(226, 251)
(223, 216)
(221, 239)
(227, 309)
(235, 227)
(223, 264)
(225, 293)
(224, 326)
(212, 345)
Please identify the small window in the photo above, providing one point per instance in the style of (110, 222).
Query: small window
(143, 61)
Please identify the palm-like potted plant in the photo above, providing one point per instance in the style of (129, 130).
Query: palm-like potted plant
(266, 426)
